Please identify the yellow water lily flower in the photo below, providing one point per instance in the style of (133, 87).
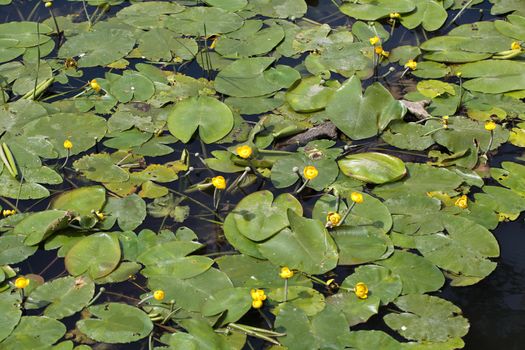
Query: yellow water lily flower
(411, 64)
(22, 282)
(159, 295)
(100, 215)
(244, 151)
(379, 50)
(490, 125)
(219, 182)
(68, 144)
(394, 15)
(48, 4)
(515, 45)
(94, 85)
(374, 40)
(333, 218)
(361, 290)
(8, 212)
(356, 197)
(258, 294)
(285, 272)
(462, 202)
(257, 304)
(310, 172)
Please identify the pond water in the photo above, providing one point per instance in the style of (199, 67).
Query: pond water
(495, 306)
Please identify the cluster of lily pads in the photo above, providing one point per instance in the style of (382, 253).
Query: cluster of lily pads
(359, 201)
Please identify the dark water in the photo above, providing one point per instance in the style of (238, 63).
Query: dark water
(495, 307)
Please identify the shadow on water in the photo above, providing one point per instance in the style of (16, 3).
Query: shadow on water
(495, 307)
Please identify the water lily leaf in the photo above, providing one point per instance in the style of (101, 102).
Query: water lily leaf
(415, 214)
(130, 211)
(305, 246)
(40, 225)
(514, 27)
(427, 318)
(305, 298)
(309, 95)
(100, 167)
(29, 188)
(511, 176)
(246, 78)
(501, 200)
(277, 8)
(14, 250)
(381, 282)
(178, 267)
(107, 42)
(24, 335)
(63, 296)
(494, 76)
(363, 340)
(361, 116)
(81, 129)
(296, 325)
(132, 86)
(417, 274)
(228, 5)
(116, 323)
(373, 167)
(358, 245)
(97, 254)
(192, 293)
(431, 70)
(429, 13)
(201, 20)
(234, 301)
(370, 10)
(213, 119)
(161, 44)
(147, 15)
(463, 251)
(10, 315)
(241, 44)
(410, 136)
(434, 88)
(259, 216)
(81, 201)
(355, 310)
(421, 179)
(121, 274)
(237, 240)
(245, 271)
(504, 6)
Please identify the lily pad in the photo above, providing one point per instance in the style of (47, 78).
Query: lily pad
(376, 168)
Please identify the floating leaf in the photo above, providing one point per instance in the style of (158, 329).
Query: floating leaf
(10, 315)
(116, 323)
(83, 200)
(40, 225)
(372, 167)
(34, 332)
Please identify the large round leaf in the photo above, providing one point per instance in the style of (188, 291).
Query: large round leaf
(81, 200)
(305, 246)
(40, 225)
(373, 167)
(213, 118)
(10, 313)
(14, 250)
(381, 282)
(34, 332)
(374, 9)
(63, 296)
(234, 301)
(97, 254)
(358, 244)
(116, 323)
(427, 319)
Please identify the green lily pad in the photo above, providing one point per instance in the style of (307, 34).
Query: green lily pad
(429, 13)
(361, 116)
(494, 76)
(510, 176)
(116, 323)
(372, 167)
(130, 212)
(64, 296)
(40, 225)
(381, 282)
(25, 336)
(363, 340)
(10, 315)
(97, 254)
(417, 274)
(305, 246)
(305, 298)
(14, 250)
(234, 301)
(201, 20)
(81, 201)
(427, 319)
(371, 10)
(213, 119)
(358, 244)
(100, 167)
(309, 95)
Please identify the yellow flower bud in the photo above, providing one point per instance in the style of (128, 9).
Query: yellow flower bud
(515, 45)
(68, 144)
(361, 290)
(244, 151)
(21, 282)
(394, 15)
(257, 304)
(286, 272)
(411, 64)
(356, 197)
(214, 42)
(94, 85)
(490, 125)
(8, 212)
(374, 40)
(462, 202)
(100, 216)
(159, 295)
(310, 172)
(333, 218)
(48, 4)
(219, 182)
(258, 294)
